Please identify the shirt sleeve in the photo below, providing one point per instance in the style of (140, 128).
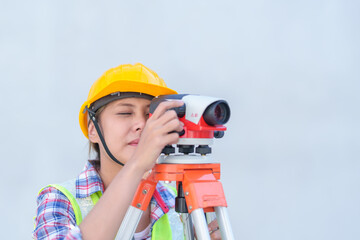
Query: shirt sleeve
(55, 218)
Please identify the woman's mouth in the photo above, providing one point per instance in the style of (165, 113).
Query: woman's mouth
(134, 142)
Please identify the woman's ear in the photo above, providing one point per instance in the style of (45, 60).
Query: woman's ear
(93, 135)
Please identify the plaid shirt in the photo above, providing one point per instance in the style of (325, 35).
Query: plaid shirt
(56, 218)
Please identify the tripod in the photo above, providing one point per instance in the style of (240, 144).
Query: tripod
(199, 191)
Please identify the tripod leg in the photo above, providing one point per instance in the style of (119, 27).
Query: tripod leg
(224, 223)
(129, 224)
(201, 228)
(139, 204)
(188, 226)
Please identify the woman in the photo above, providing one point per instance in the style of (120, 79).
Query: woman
(115, 120)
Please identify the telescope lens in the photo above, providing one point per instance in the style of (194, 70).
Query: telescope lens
(217, 113)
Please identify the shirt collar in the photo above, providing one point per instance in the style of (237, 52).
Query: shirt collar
(88, 182)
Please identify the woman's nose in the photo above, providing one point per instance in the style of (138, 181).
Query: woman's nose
(140, 123)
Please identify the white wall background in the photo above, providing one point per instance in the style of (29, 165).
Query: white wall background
(289, 69)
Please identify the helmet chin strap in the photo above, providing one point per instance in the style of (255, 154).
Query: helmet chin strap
(93, 119)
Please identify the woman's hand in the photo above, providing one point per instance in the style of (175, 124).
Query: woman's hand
(157, 134)
(214, 230)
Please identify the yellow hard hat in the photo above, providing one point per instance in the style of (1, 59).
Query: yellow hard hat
(124, 78)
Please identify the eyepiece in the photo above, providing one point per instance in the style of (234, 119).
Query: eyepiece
(217, 113)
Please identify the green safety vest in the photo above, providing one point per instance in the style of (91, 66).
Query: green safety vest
(163, 229)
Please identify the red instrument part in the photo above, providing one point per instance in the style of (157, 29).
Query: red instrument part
(200, 130)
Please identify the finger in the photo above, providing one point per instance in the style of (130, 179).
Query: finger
(164, 106)
(215, 234)
(213, 225)
(214, 230)
(167, 117)
(171, 138)
(172, 125)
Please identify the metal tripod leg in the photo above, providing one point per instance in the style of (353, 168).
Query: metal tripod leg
(138, 206)
(129, 224)
(201, 228)
(188, 226)
(224, 223)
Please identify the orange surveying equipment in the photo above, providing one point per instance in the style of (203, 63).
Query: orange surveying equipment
(190, 166)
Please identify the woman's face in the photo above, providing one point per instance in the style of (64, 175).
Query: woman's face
(122, 123)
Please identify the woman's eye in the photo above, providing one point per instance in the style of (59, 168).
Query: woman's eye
(124, 113)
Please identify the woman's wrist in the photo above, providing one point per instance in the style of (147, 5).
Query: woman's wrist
(136, 166)
(143, 160)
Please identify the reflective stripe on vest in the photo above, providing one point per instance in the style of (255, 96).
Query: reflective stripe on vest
(169, 226)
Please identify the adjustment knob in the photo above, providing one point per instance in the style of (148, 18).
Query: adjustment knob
(218, 134)
(186, 149)
(203, 149)
(168, 149)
